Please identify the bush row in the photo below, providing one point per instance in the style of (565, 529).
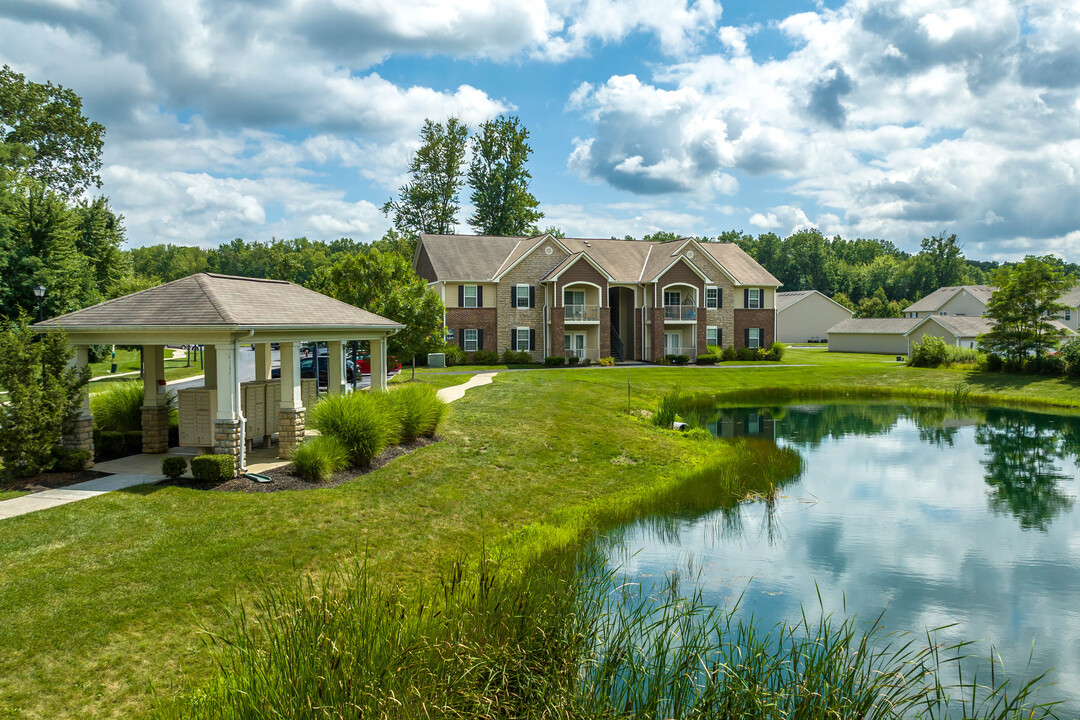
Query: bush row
(717, 355)
(356, 427)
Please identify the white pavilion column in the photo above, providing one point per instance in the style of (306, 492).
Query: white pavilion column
(262, 361)
(81, 434)
(335, 367)
(226, 419)
(291, 409)
(378, 364)
(155, 411)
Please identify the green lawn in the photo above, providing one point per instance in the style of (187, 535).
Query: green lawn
(127, 361)
(102, 599)
(439, 380)
(8, 494)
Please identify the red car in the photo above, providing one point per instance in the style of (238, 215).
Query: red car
(392, 364)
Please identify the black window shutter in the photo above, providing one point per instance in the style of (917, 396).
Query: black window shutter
(532, 338)
(479, 296)
(513, 339)
(746, 297)
(746, 339)
(532, 297)
(720, 337)
(513, 296)
(461, 338)
(479, 339)
(461, 296)
(719, 297)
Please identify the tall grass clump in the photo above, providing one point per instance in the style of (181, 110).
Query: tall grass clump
(667, 409)
(955, 355)
(418, 410)
(318, 458)
(119, 407)
(363, 422)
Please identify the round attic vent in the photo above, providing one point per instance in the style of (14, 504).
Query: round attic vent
(690, 254)
(547, 250)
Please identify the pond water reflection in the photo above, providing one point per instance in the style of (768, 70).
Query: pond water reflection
(936, 515)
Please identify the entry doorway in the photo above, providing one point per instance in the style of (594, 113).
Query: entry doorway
(574, 345)
(672, 343)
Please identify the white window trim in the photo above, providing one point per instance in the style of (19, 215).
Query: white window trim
(584, 296)
(754, 299)
(465, 340)
(1068, 314)
(672, 292)
(528, 345)
(465, 296)
(716, 300)
(715, 334)
(517, 295)
(755, 338)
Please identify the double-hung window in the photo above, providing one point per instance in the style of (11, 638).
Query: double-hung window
(471, 344)
(469, 296)
(521, 296)
(713, 298)
(712, 335)
(1068, 313)
(753, 337)
(753, 298)
(523, 337)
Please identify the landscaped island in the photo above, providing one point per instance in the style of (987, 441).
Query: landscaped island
(103, 599)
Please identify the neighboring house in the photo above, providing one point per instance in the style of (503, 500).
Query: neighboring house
(597, 298)
(887, 336)
(1071, 301)
(806, 316)
(969, 300)
(955, 330)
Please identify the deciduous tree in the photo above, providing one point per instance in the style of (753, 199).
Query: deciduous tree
(428, 203)
(500, 181)
(1022, 308)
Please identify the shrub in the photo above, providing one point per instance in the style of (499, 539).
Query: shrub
(714, 350)
(1045, 365)
(929, 353)
(682, 359)
(709, 359)
(671, 358)
(455, 355)
(776, 351)
(70, 460)
(573, 360)
(418, 410)
(746, 354)
(109, 444)
(516, 357)
(1070, 356)
(318, 458)
(585, 362)
(486, 357)
(607, 362)
(554, 361)
(173, 467)
(994, 363)
(729, 354)
(132, 442)
(213, 468)
(364, 422)
(963, 356)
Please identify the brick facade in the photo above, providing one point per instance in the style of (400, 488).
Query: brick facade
(637, 348)
(558, 329)
(657, 336)
(605, 332)
(424, 268)
(764, 319)
(458, 319)
(155, 428)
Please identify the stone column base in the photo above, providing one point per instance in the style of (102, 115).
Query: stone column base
(227, 441)
(155, 428)
(81, 437)
(290, 430)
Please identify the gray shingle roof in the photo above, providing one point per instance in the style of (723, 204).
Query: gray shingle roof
(482, 257)
(964, 326)
(942, 295)
(876, 326)
(222, 300)
(1071, 298)
(784, 299)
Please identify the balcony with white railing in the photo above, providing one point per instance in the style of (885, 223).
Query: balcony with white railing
(680, 313)
(688, 350)
(581, 314)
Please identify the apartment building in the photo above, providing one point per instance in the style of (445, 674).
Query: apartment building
(594, 298)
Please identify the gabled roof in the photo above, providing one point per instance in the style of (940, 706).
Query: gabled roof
(962, 326)
(478, 259)
(876, 326)
(1071, 298)
(784, 300)
(226, 301)
(939, 297)
(740, 265)
(569, 262)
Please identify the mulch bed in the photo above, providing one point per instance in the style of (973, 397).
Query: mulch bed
(49, 481)
(283, 479)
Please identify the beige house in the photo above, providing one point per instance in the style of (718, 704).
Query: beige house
(1070, 317)
(594, 298)
(959, 331)
(967, 300)
(806, 316)
(886, 336)
(222, 313)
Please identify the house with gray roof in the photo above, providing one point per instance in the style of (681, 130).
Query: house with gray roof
(593, 298)
(1070, 316)
(806, 316)
(967, 300)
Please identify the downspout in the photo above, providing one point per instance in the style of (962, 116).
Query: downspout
(240, 405)
(643, 322)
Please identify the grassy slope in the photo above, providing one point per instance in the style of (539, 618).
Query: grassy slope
(103, 596)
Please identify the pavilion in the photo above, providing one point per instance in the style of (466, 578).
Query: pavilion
(221, 313)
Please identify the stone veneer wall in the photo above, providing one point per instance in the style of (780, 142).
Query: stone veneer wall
(765, 319)
(290, 430)
(155, 428)
(227, 441)
(534, 266)
(81, 437)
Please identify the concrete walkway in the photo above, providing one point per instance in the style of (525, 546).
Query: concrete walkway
(456, 392)
(71, 493)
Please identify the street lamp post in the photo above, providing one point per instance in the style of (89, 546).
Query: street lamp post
(39, 293)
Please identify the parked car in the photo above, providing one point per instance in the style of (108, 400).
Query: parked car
(307, 369)
(392, 364)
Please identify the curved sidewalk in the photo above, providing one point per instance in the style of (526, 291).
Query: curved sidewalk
(456, 392)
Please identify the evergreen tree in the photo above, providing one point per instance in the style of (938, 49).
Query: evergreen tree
(500, 181)
(428, 203)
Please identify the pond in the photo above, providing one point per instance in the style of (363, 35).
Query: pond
(938, 516)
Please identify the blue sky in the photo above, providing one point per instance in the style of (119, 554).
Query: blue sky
(892, 119)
